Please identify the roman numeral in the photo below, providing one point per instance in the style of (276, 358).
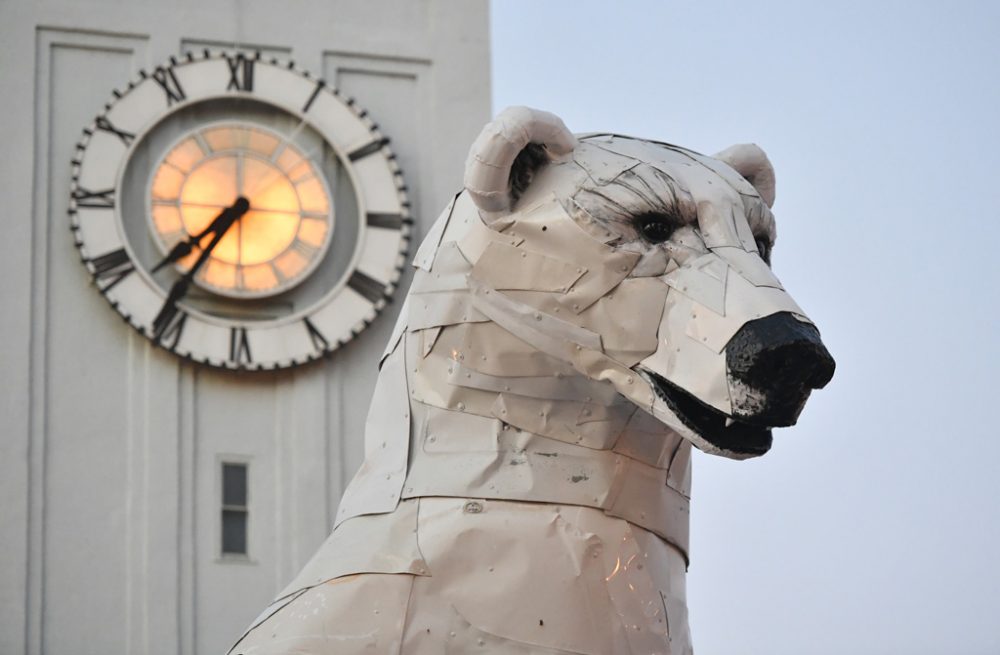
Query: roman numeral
(239, 346)
(168, 82)
(367, 286)
(387, 221)
(319, 342)
(369, 148)
(107, 126)
(100, 199)
(114, 266)
(240, 73)
(319, 85)
(168, 325)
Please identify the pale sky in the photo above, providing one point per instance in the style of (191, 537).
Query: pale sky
(872, 527)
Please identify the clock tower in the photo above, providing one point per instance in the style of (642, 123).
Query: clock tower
(210, 207)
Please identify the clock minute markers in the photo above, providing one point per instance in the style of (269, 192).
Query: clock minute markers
(252, 273)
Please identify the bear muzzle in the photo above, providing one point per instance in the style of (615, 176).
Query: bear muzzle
(773, 363)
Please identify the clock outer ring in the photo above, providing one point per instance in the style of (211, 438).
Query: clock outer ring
(326, 348)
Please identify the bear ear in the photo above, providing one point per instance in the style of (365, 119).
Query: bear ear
(506, 154)
(752, 163)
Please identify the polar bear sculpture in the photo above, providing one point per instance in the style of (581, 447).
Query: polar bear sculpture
(583, 312)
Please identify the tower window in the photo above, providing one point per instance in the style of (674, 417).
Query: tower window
(234, 509)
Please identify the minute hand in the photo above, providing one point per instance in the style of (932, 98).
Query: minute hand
(179, 289)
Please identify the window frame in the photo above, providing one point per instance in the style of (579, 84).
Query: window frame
(221, 460)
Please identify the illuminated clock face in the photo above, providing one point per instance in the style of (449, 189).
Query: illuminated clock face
(204, 201)
(279, 240)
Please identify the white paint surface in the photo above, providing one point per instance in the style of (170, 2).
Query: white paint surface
(111, 449)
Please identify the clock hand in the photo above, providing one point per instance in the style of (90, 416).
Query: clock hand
(184, 248)
(219, 227)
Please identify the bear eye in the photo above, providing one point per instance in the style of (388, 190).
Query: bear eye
(655, 228)
(764, 249)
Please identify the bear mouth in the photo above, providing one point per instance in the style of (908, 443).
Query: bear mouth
(719, 429)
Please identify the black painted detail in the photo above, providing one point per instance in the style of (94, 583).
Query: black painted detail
(367, 286)
(104, 199)
(168, 324)
(240, 73)
(709, 423)
(369, 148)
(779, 360)
(112, 267)
(388, 221)
(312, 97)
(528, 162)
(168, 82)
(104, 124)
(319, 342)
(239, 346)
(171, 335)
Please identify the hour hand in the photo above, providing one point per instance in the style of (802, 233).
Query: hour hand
(184, 248)
(181, 250)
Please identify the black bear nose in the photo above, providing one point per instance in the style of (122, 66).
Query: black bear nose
(782, 359)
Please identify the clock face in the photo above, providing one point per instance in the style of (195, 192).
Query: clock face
(281, 238)
(204, 202)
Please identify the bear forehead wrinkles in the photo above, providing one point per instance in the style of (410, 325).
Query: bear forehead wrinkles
(628, 177)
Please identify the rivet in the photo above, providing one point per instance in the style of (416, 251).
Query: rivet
(461, 407)
(629, 379)
(473, 507)
(433, 439)
(481, 642)
(451, 634)
(538, 317)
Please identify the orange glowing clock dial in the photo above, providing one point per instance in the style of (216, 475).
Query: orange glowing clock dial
(281, 238)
